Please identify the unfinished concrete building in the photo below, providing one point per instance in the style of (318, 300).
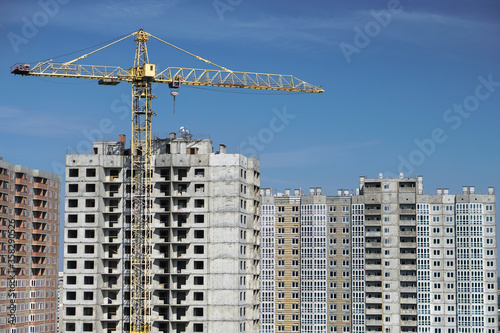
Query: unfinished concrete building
(397, 260)
(29, 224)
(205, 233)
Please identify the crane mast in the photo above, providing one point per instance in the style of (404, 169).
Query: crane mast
(142, 169)
(141, 76)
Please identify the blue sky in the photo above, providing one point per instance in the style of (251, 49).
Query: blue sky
(410, 86)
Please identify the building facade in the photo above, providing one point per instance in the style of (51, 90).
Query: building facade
(206, 225)
(387, 259)
(29, 214)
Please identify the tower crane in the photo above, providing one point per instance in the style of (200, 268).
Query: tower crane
(141, 76)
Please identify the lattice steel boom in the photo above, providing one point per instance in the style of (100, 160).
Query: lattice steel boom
(141, 76)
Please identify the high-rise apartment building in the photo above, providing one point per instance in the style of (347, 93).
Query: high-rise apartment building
(396, 260)
(29, 216)
(206, 224)
(305, 269)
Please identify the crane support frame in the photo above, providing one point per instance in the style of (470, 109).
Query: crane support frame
(142, 172)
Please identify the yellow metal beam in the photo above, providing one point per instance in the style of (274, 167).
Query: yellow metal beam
(188, 76)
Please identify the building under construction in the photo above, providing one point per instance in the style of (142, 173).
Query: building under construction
(205, 236)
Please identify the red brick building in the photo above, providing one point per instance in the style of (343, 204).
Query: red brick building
(29, 234)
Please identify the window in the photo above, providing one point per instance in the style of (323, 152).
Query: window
(89, 248)
(72, 233)
(198, 280)
(199, 234)
(88, 327)
(71, 279)
(73, 172)
(72, 203)
(89, 218)
(199, 249)
(89, 233)
(88, 280)
(88, 311)
(198, 265)
(71, 249)
(198, 312)
(70, 311)
(90, 203)
(88, 295)
(199, 218)
(90, 172)
(199, 203)
(89, 264)
(71, 264)
(70, 327)
(90, 188)
(72, 187)
(72, 218)
(198, 296)
(71, 295)
(281, 209)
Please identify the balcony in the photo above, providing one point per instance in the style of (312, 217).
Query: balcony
(407, 222)
(372, 244)
(408, 256)
(373, 289)
(373, 266)
(39, 185)
(373, 278)
(373, 222)
(374, 310)
(408, 278)
(373, 255)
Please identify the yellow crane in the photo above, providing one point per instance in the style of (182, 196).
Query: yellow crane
(142, 75)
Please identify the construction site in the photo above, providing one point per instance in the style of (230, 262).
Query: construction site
(149, 211)
(172, 233)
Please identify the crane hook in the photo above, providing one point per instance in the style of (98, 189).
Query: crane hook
(174, 94)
